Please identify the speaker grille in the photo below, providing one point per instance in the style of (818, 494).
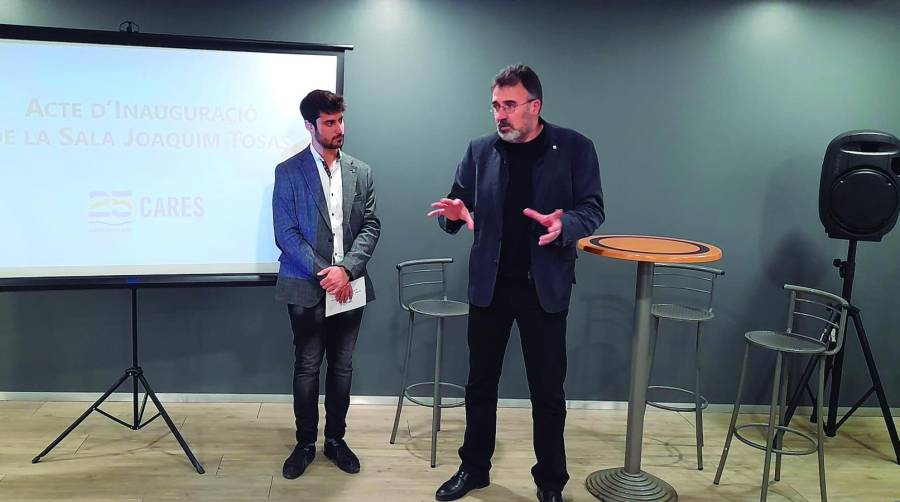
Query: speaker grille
(864, 200)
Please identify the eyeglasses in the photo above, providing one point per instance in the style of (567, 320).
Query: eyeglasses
(508, 107)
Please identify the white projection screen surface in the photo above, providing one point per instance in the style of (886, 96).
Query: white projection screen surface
(136, 160)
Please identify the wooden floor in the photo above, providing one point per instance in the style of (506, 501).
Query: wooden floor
(242, 447)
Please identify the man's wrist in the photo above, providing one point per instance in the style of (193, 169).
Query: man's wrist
(346, 271)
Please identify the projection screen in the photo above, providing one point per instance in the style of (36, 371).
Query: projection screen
(125, 154)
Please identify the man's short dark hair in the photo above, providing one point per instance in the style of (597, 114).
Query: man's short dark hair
(318, 102)
(519, 73)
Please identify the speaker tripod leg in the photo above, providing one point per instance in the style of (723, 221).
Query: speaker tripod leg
(837, 370)
(794, 400)
(827, 363)
(876, 381)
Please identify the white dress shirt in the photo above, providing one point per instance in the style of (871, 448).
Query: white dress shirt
(334, 198)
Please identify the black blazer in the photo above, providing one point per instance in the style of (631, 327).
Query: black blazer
(566, 177)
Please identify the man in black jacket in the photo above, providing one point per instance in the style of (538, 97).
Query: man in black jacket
(528, 192)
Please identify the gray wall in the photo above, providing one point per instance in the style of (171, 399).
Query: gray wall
(710, 118)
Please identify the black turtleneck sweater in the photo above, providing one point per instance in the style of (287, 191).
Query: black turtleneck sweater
(515, 247)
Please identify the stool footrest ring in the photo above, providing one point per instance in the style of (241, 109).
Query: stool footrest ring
(703, 402)
(446, 402)
(758, 446)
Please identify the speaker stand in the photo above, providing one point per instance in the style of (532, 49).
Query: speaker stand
(834, 367)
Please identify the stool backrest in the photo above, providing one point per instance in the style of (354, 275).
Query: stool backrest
(818, 316)
(685, 284)
(421, 279)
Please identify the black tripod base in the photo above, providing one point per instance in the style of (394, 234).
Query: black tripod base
(833, 371)
(137, 376)
(832, 424)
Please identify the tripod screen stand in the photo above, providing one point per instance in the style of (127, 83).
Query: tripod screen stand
(134, 372)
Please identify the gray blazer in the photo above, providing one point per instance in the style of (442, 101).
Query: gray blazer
(303, 230)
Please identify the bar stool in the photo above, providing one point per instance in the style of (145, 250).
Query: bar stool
(810, 311)
(419, 275)
(690, 287)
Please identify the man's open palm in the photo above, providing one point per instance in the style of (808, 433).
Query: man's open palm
(453, 210)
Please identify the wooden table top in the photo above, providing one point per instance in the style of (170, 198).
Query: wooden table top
(650, 248)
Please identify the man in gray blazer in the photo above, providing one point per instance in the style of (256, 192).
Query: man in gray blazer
(326, 228)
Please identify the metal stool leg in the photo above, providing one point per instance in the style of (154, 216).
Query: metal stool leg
(770, 432)
(782, 420)
(439, 398)
(698, 425)
(820, 430)
(654, 333)
(737, 406)
(436, 409)
(403, 378)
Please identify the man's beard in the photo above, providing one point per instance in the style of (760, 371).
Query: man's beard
(334, 144)
(512, 135)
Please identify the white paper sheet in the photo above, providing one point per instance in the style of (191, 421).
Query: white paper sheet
(359, 299)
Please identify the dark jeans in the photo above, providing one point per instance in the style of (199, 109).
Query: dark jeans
(315, 336)
(543, 339)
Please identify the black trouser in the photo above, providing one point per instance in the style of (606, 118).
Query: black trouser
(315, 336)
(543, 338)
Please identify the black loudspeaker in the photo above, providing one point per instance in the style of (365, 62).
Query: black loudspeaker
(859, 190)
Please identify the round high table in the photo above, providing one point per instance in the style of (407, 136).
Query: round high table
(630, 483)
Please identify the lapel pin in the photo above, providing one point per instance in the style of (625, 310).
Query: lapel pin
(554, 147)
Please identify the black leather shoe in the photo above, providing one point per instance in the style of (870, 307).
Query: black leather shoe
(342, 456)
(299, 460)
(549, 495)
(459, 485)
